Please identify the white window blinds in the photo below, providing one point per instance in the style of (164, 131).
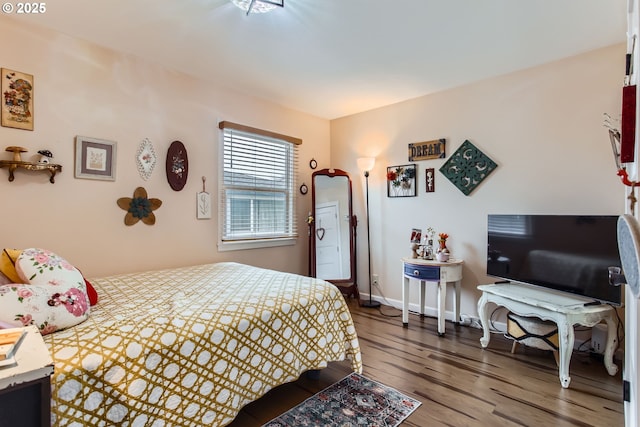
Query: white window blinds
(257, 184)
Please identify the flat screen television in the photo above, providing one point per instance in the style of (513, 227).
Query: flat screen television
(569, 253)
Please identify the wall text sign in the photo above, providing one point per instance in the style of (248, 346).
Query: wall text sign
(427, 150)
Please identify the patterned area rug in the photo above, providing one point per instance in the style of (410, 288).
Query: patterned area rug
(352, 401)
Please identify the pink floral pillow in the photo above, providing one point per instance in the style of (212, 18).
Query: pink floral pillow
(52, 297)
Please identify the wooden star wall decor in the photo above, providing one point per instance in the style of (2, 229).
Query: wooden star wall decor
(139, 208)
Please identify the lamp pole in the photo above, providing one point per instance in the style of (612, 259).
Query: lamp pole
(371, 303)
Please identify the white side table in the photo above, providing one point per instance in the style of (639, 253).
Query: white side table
(563, 309)
(25, 387)
(431, 271)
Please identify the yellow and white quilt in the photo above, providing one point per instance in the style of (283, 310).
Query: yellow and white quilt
(191, 346)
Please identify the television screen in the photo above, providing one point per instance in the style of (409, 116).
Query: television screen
(570, 253)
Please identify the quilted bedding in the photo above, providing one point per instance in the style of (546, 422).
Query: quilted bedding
(191, 346)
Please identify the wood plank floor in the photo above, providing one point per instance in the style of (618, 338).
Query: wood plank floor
(459, 383)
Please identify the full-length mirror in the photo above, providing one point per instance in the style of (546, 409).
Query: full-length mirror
(333, 230)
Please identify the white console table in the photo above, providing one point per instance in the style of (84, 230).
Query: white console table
(563, 309)
(431, 271)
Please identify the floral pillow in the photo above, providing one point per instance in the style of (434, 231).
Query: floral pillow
(52, 297)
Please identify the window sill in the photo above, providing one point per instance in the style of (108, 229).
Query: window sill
(240, 245)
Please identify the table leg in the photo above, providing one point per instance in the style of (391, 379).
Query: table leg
(483, 312)
(442, 296)
(612, 327)
(456, 303)
(567, 339)
(405, 302)
(423, 298)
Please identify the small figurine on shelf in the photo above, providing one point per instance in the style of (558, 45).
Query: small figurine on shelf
(45, 156)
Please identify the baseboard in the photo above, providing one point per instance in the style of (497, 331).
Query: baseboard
(433, 312)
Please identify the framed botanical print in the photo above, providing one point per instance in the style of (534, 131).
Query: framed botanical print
(17, 99)
(401, 181)
(95, 158)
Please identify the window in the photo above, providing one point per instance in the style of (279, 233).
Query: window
(256, 183)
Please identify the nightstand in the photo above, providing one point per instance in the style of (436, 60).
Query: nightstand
(25, 387)
(431, 271)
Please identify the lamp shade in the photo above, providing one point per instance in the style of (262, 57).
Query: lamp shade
(366, 163)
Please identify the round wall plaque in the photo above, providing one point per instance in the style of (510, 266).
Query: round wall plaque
(177, 165)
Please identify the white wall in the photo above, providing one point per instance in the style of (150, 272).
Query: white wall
(83, 89)
(542, 126)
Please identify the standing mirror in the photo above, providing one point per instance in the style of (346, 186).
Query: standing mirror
(333, 232)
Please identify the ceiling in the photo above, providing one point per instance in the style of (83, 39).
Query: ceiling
(333, 58)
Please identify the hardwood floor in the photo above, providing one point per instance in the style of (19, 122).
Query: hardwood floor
(459, 383)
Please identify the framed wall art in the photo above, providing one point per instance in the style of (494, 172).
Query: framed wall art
(467, 167)
(95, 158)
(203, 203)
(427, 150)
(430, 180)
(145, 159)
(17, 99)
(177, 165)
(401, 181)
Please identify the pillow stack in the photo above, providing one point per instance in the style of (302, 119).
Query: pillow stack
(44, 290)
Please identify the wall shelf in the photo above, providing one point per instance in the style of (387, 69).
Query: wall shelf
(14, 164)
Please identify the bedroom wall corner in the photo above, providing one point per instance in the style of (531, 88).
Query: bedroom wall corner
(543, 127)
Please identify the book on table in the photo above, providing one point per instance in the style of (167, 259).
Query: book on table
(9, 341)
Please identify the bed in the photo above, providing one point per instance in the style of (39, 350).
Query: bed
(191, 346)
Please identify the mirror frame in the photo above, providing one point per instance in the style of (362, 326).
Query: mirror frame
(349, 285)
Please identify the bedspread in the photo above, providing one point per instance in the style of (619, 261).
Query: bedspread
(191, 346)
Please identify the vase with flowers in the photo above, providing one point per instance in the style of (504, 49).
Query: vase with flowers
(442, 254)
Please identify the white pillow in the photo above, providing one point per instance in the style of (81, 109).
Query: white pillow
(52, 297)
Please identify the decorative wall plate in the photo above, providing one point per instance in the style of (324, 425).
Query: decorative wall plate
(467, 167)
(145, 159)
(177, 165)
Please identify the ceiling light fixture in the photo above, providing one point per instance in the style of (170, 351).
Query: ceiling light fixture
(258, 6)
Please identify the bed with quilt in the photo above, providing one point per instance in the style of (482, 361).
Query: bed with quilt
(191, 346)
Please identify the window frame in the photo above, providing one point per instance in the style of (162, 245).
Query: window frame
(290, 193)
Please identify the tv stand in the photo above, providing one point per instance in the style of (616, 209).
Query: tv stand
(563, 309)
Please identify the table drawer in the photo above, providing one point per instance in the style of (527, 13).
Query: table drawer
(422, 272)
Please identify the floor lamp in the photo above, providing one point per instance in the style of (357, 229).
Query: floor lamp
(366, 164)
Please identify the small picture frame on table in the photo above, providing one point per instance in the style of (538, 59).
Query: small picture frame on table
(95, 158)
(416, 235)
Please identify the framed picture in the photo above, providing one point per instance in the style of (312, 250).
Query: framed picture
(401, 181)
(17, 99)
(416, 235)
(203, 205)
(430, 177)
(95, 159)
